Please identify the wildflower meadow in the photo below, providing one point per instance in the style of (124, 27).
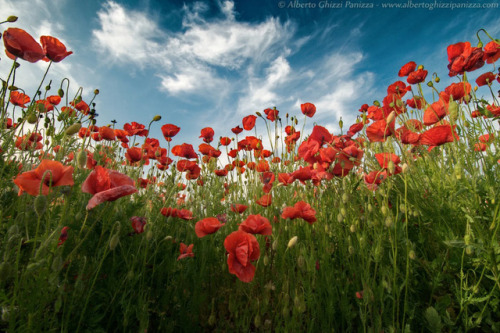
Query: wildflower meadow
(389, 224)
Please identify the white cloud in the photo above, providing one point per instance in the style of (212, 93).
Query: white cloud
(189, 59)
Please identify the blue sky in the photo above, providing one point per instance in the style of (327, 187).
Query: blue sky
(210, 63)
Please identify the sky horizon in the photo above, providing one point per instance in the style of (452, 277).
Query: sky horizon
(211, 63)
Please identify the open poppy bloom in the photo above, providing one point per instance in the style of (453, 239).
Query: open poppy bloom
(407, 69)
(48, 174)
(136, 129)
(238, 208)
(300, 210)
(54, 49)
(207, 226)
(417, 76)
(242, 248)
(272, 114)
(256, 224)
(186, 251)
(185, 150)
(207, 134)
(237, 130)
(19, 99)
(107, 185)
(265, 200)
(20, 44)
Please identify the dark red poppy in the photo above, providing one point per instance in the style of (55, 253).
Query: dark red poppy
(397, 88)
(407, 69)
(308, 109)
(138, 224)
(185, 150)
(491, 52)
(463, 57)
(417, 76)
(221, 172)
(272, 114)
(249, 122)
(237, 130)
(415, 102)
(169, 131)
(19, 99)
(63, 237)
(186, 251)
(256, 224)
(207, 226)
(207, 134)
(242, 248)
(107, 185)
(238, 208)
(485, 79)
(48, 174)
(54, 49)
(20, 44)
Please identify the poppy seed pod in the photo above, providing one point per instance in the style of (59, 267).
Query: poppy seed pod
(113, 243)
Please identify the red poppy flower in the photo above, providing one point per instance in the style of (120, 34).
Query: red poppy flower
(384, 158)
(407, 69)
(438, 135)
(300, 210)
(20, 44)
(417, 76)
(434, 113)
(81, 106)
(379, 130)
(169, 131)
(138, 224)
(271, 114)
(238, 208)
(225, 141)
(302, 174)
(221, 172)
(54, 99)
(406, 136)
(48, 174)
(374, 178)
(265, 200)
(208, 150)
(458, 90)
(107, 133)
(308, 109)
(242, 248)
(463, 57)
(237, 130)
(397, 88)
(54, 49)
(415, 102)
(185, 150)
(256, 224)
(207, 226)
(480, 146)
(491, 52)
(19, 99)
(249, 122)
(207, 134)
(285, 178)
(107, 185)
(136, 129)
(186, 251)
(485, 79)
(63, 237)
(486, 138)
(355, 128)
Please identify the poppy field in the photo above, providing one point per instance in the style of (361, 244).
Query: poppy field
(388, 224)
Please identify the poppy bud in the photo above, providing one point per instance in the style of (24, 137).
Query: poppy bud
(292, 242)
(301, 261)
(16, 64)
(430, 84)
(376, 103)
(404, 168)
(73, 129)
(266, 260)
(388, 222)
(351, 249)
(113, 243)
(256, 321)
(60, 92)
(12, 19)
(345, 198)
(258, 113)
(383, 209)
(149, 235)
(391, 167)
(391, 117)
(340, 218)
(480, 44)
(32, 118)
(467, 239)
(96, 92)
(212, 320)
(469, 250)
(157, 118)
(274, 246)
(40, 205)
